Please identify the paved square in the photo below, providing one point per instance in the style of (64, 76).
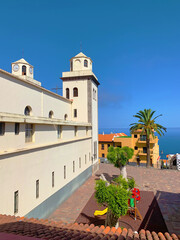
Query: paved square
(164, 183)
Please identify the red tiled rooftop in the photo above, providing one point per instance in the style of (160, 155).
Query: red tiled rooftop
(45, 229)
(109, 137)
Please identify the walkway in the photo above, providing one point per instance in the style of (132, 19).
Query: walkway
(164, 183)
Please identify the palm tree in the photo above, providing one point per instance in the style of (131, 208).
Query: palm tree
(146, 123)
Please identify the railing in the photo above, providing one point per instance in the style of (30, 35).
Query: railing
(142, 152)
(144, 139)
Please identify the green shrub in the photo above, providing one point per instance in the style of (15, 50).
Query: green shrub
(115, 197)
(129, 184)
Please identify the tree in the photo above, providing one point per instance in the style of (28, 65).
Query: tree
(119, 157)
(147, 124)
(115, 198)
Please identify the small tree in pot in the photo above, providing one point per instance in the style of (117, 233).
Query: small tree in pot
(115, 198)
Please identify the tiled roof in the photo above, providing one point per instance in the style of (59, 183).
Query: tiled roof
(46, 229)
(109, 137)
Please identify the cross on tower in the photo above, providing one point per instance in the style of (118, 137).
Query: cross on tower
(56, 88)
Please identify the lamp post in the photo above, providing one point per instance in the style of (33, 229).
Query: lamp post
(162, 158)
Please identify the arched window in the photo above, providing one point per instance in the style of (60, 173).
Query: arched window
(71, 66)
(51, 114)
(75, 92)
(85, 63)
(67, 93)
(23, 70)
(27, 111)
(65, 117)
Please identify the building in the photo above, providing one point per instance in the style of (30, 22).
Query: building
(135, 141)
(48, 142)
(173, 161)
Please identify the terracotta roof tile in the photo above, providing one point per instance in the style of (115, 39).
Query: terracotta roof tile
(45, 229)
(109, 137)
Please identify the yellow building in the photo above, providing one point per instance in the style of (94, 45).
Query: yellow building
(135, 141)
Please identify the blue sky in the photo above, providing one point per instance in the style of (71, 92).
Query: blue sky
(134, 45)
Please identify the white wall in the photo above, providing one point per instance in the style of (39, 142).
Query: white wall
(80, 102)
(16, 95)
(59, 107)
(43, 134)
(95, 117)
(20, 172)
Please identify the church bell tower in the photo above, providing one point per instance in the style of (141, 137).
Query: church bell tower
(81, 86)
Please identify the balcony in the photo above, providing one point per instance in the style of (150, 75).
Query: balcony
(143, 140)
(141, 152)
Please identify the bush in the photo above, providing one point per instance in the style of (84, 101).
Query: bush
(115, 197)
(129, 184)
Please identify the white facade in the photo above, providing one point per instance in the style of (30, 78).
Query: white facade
(47, 149)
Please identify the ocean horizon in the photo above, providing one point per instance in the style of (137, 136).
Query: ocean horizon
(168, 144)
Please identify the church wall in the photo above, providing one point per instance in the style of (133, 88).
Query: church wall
(59, 107)
(51, 203)
(11, 141)
(23, 94)
(19, 171)
(43, 134)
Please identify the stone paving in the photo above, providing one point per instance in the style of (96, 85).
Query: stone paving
(164, 183)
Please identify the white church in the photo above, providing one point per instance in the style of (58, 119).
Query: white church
(48, 142)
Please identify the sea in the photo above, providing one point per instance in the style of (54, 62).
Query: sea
(168, 144)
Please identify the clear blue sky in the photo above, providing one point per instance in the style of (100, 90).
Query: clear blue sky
(134, 45)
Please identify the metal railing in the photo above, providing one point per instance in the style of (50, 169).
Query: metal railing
(141, 151)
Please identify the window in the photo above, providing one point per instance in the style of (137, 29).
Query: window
(79, 162)
(71, 66)
(119, 146)
(103, 155)
(16, 198)
(52, 179)
(2, 128)
(59, 131)
(51, 114)
(75, 92)
(37, 188)
(67, 93)
(16, 130)
(143, 138)
(75, 113)
(65, 117)
(75, 131)
(108, 145)
(102, 146)
(135, 136)
(85, 63)
(94, 94)
(136, 148)
(95, 150)
(144, 149)
(64, 172)
(23, 70)
(29, 132)
(27, 111)
(73, 166)
(85, 159)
